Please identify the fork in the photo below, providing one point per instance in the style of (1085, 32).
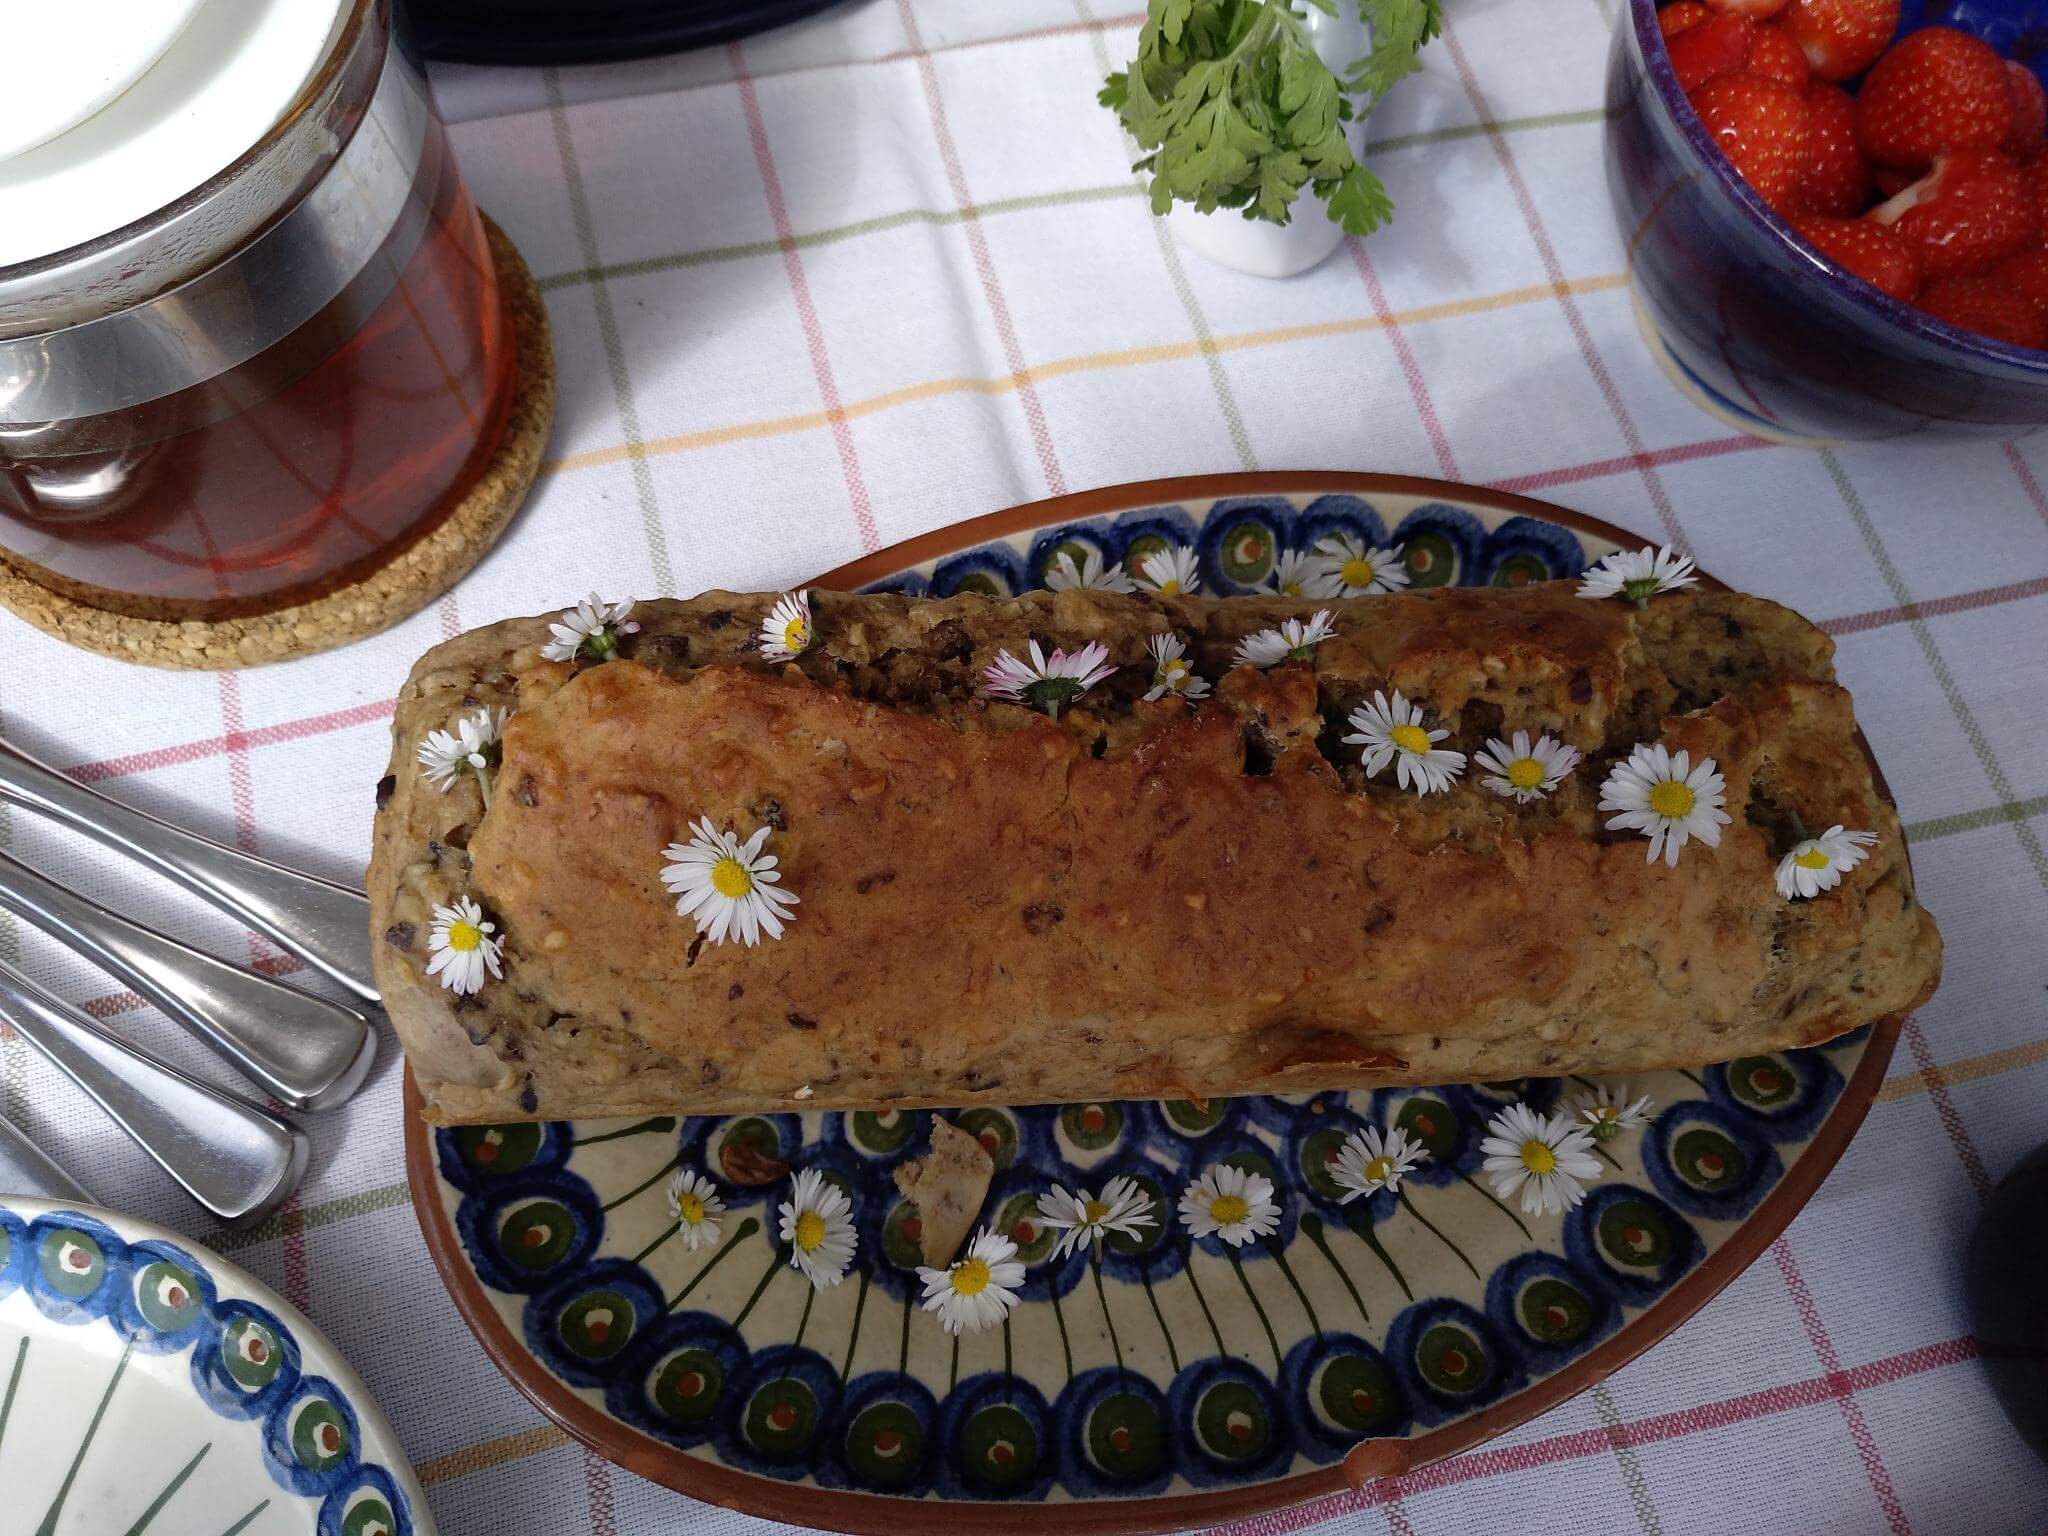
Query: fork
(304, 1050)
(233, 1158)
(324, 924)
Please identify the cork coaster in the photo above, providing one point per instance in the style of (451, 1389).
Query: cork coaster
(415, 575)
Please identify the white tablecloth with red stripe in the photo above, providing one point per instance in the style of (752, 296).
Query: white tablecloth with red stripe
(889, 269)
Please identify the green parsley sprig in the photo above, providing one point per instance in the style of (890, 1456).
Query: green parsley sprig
(1236, 110)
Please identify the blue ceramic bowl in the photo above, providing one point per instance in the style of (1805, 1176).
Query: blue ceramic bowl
(1752, 321)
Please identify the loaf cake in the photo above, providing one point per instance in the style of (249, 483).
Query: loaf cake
(688, 874)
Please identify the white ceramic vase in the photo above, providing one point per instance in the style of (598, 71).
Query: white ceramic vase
(1281, 250)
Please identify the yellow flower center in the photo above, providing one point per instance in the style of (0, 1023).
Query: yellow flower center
(1170, 587)
(970, 1277)
(1813, 858)
(731, 879)
(1094, 1210)
(796, 635)
(1290, 589)
(1410, 738)
(810, 1231)
(1379, 1168)
(1228, 1210)
(465, 937)
(1672, 799)
(1175, 673)
(1525, 773)
(1357, 573)
(691, 1209)
(1538, 1158)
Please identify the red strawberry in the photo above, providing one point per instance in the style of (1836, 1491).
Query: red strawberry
(1760, 125)
(1717, 46)
(1755, 10)
(1890, 180)
(1772, 52)
(1836, 180)
(1987, 306)
(2027, 275)
(1937, 90)
(1841, 38)
(1973, 208)
(1680, 15)
(2036, 175)
(1872, 252)
(2029, 111)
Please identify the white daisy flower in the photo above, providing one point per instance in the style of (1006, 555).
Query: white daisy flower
(1352, 568)
(786, 631)
(694, 1200)
(1819, 863)
(1065, 575)
(1230, 1203)
(817, 1223)
(1292, 641)
(592, 628)
(1666, 799)
(1638, 575)
(462, 947)
(1544, 1156)
(1171, 672)
(1393, 732)
(1123, 1207)
(1524, 771)
(977, 1290)
(1173, 572)
(1370, 1161)
(472, 747)
(1608, 1111)
(731, 888)
(1049, 683)
(1297, 573)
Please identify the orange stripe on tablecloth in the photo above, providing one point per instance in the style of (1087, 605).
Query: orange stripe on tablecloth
(1968, 1070)
(1087, 362)
(486, 1454)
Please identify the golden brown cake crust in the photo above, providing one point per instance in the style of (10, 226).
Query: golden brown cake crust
(1140, 899)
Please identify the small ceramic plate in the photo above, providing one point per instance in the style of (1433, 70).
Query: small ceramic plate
(150, 1387)
(1181, 1383)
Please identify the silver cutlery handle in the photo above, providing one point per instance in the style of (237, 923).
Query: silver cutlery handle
(26, 1169)
(305, 1050)
(324, 924)
(233, 1158)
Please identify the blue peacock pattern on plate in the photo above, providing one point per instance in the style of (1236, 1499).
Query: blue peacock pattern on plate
(1172, 1364)
(244, 1369)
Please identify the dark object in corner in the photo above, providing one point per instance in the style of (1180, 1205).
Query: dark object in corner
(588, 31)
(2008, 1306)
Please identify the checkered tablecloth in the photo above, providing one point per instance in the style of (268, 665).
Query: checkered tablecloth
(887, 270)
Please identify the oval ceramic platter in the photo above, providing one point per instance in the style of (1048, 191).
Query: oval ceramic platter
(1178, 1383)
(149, 1387)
